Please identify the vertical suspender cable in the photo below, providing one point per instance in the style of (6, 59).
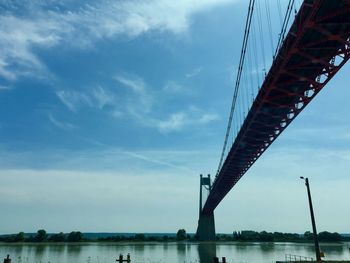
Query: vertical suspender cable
(261, 33)
(285, 25)
(268, 17)
(239, 73)
(279, 11)
(256, 58)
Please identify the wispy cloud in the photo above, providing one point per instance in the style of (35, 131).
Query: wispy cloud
(139, 100)
(73, 99)
(5, 87)
(194, 72)
(96, 97)
(208, 117)
(102, 97)
(140, 105)
(180, 120)
(173, 87)
(175, 122)
(136, 84)
(158, 162)
(17, 37)
(62, 125)
(48, 24)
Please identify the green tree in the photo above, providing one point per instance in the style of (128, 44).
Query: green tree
(329, 237)
(19, 237)
(181, 234)
(140, 237)
(265, 236)
(75, 236)
(40, 236)
(60, 237)
(308, 235)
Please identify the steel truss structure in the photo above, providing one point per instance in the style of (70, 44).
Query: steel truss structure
(316, 47)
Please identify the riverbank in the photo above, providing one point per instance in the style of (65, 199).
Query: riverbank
(181, 235)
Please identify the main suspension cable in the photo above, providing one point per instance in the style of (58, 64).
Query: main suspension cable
(284, 26)
(239, 74)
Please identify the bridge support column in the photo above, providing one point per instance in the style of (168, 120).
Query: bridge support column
(206, 228)
(206, 222)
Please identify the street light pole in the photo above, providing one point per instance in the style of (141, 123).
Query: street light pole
(317, 246)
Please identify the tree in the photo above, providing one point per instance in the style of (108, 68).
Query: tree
(58, 237)
(40, 236)
(19, 237)
(75, 236)
(329, 237)
(181, 234)
(140, 237)
(265, 236)
(308, 235)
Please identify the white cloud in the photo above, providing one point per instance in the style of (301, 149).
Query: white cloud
(46, 27)
(175, 122)
(157, 161)
(5, 87)
(173, 87)
(194, 72)
(73, 99)
(136, 84)
(140, 105)
(62, 125)
(17, 37)
(102, 97)
(178, 121)
(139, 101)
(208, 117)
(97, 97)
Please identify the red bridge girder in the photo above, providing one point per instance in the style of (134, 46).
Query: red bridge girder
(316, 47)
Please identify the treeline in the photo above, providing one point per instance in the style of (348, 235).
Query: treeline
(253, 236)
(42, 236)
(76, 236)
(181, 235)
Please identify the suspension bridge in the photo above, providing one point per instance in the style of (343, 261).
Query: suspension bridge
(312, 45)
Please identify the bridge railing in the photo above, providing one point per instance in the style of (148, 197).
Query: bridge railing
(297, 258)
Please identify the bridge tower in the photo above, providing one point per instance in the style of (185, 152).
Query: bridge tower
(206, 223)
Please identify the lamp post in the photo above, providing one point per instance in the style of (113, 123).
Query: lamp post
(317, 246)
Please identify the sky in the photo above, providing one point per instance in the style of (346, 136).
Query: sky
(110, 110)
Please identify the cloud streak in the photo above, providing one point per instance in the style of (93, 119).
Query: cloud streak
(97, 97)
(62, 125)
(47, 25)
(140, 105)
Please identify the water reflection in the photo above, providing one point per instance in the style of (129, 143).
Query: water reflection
(181, 252)
(39, 251)
(74, 249)
(170, 252)
(267, 247)
(206, 252)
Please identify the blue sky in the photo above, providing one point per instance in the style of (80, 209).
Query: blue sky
(110, 110)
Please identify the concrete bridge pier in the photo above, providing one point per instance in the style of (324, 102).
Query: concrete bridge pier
(206, 222)
(206, 228)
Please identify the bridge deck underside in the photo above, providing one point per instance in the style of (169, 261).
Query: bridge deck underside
(316, 47)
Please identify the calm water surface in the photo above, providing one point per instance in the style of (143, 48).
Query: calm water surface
(165, 252)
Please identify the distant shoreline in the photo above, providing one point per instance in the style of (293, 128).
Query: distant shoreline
(237, 236)
(87, 242)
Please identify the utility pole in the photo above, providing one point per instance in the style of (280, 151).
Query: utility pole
(317, 246)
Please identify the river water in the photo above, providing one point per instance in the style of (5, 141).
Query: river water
(165, 252)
